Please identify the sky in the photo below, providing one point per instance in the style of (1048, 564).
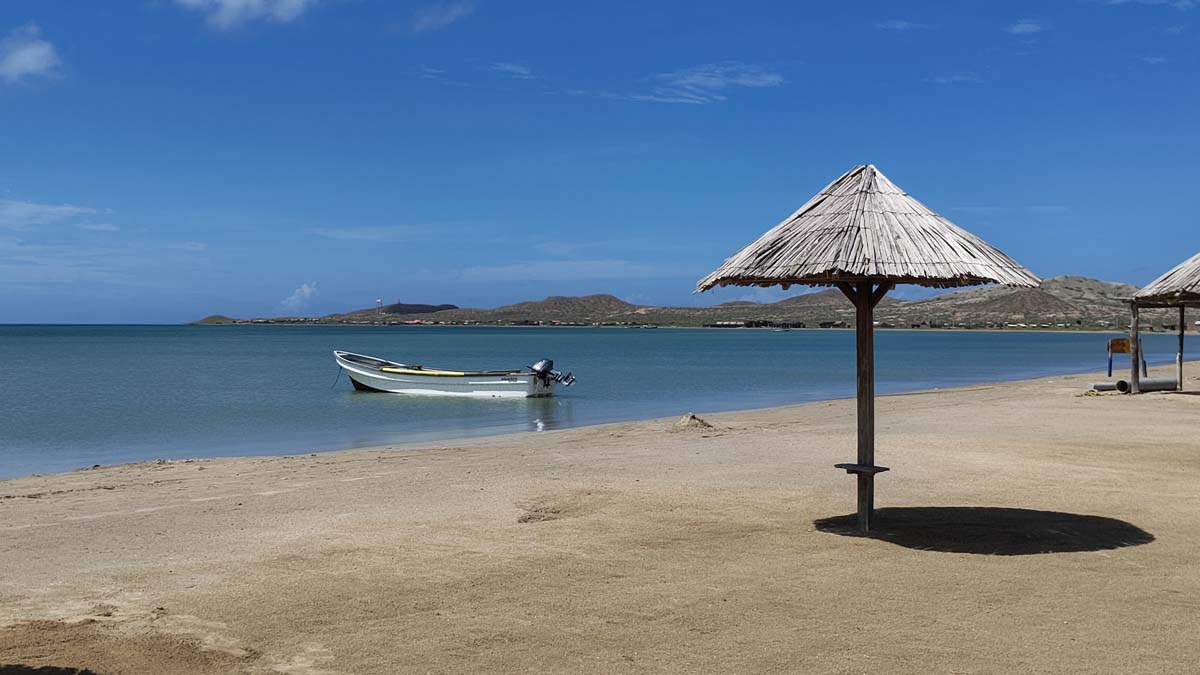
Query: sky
(162, 160)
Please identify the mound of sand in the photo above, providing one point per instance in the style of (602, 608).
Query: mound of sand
(692, 422)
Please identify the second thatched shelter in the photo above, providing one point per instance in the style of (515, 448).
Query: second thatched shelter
(865, 235)
(1179, 287)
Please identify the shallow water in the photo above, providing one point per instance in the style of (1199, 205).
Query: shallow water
(74, 396)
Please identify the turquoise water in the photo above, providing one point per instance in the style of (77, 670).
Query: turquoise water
(74, 396)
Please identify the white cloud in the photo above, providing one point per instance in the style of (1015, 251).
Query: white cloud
(1175, 30)
(513, 70)
(23, 53)
(1026, 27)
(569, 270)
(229, 14)
(391, 233)
(300, 298)
(442, 14)
(19, 215)
(99, 227)
(706, 84)
(898, 24)
(1154, 60)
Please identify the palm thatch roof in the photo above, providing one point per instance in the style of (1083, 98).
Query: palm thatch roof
(864, 228)
(1178, 287)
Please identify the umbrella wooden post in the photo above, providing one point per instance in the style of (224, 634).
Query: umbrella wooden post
(864, 334)
(865, 298)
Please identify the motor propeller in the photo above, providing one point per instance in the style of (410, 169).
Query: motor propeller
(544, 369)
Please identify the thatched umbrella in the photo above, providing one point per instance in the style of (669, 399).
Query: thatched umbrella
(1180, 287)
(864, 235)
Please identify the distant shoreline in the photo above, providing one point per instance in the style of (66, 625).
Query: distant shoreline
(1091, 331)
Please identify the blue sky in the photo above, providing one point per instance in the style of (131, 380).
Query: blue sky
(163, 160)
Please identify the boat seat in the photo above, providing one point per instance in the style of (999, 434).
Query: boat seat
(424, 371)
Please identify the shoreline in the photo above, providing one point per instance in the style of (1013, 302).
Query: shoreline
(764, 329)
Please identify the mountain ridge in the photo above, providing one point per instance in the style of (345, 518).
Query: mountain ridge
(1068, 301)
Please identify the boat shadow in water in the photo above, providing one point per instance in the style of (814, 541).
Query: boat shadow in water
(990, 530)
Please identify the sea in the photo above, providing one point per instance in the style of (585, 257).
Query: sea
(77, 396)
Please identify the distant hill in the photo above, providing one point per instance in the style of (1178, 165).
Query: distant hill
(395, 308)
(214, 320)
(566, 309)
(825, 298)
(1061, 302)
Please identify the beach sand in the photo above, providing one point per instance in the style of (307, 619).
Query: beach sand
(1024, 528)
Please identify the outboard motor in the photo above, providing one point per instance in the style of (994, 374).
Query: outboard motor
(545, 371)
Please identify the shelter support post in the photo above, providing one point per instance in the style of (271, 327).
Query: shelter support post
(1179, 356)
(1135, 350)
(865, 298)
(865, 340)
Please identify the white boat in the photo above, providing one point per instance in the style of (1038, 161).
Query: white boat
(369, 373)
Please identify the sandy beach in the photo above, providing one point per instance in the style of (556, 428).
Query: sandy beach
(1023, 527)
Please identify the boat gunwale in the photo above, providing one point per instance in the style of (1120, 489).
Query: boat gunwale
(392, 368)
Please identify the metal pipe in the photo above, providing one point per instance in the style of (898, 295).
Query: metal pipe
(1151, 384)
(1104, 386)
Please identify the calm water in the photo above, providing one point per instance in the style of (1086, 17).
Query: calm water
(73, 396)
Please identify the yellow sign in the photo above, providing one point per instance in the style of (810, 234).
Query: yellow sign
(1118, 346)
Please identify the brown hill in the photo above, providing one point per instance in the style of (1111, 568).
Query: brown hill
(826, 298)
(1061, 301)
(566, 309)
(213, 320)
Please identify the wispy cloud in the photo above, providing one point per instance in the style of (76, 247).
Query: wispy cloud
(996, 210)
(899, 24)
(20, 215)
(440, 15)
(53, 263)
(99, 227)
(1175, 30)
(1026, 27)
(705, 84)
(392, 233)
(439, 75)
(513, 70)
(189, 246)
(300, 298)
(562, 248)
(1177, 4)
(229, 14)
(569, 270)
(23, 53)
(1153, 60)
(957, 78)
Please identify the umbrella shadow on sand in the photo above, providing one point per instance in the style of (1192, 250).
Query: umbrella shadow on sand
(17, 669)
(990, 530)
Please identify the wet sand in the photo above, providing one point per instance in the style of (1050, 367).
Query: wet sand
(1023, 528)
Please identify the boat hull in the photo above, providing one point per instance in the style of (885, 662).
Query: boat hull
(484, 385)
